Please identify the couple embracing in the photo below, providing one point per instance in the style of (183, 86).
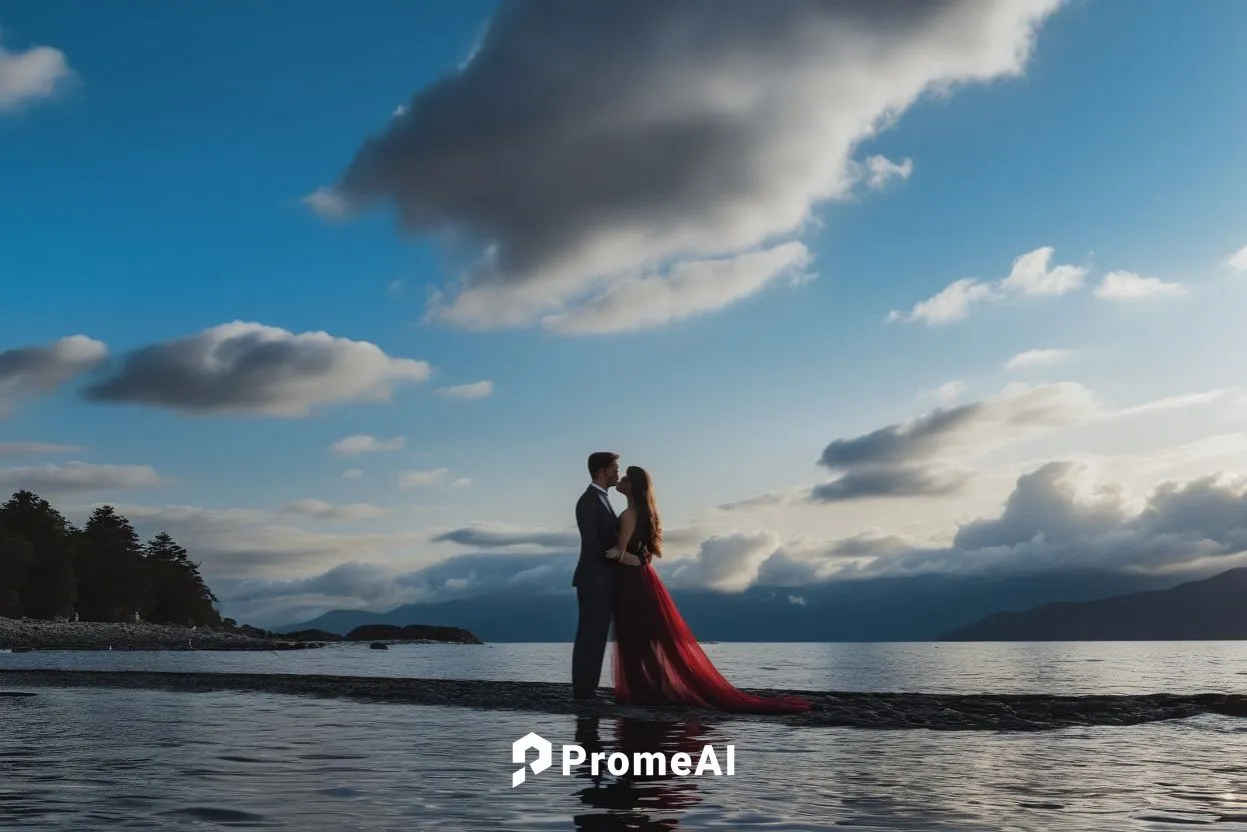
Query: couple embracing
(657, 658)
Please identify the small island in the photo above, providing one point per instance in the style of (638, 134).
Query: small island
(100, 587)
(411, 634)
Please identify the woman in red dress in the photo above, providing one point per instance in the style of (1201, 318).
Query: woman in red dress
(657, 658)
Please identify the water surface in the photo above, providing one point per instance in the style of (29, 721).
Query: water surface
(121, 759)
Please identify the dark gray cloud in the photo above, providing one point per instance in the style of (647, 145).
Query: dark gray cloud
(587, 145)
(26, 372)
(248, 368)
(493, 537)
(488, 536)
(915, 458)
(888, 482)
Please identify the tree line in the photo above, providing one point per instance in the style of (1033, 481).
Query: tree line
(51, 569)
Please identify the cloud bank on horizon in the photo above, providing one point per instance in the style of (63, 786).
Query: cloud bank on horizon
(725, 123)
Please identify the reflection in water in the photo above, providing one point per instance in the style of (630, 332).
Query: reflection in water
(637, 801)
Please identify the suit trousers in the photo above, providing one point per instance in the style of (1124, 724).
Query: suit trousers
(592, 633)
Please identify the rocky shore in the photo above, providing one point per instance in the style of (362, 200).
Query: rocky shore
(970, 712)
(35, 634)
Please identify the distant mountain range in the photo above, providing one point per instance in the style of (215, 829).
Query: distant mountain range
(920, 608)
(1210, 609)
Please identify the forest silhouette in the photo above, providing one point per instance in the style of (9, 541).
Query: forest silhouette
(50, 569)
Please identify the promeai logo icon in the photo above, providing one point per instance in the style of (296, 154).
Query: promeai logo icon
(519, 754)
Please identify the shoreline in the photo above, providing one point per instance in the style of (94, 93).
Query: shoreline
(21, 635)
(844, 709)
(29, 634)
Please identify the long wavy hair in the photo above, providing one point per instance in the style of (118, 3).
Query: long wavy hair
(648, 522)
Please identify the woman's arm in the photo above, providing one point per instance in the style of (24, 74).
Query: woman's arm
(627, 525)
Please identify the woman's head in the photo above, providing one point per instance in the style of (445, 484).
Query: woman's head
(638, 486)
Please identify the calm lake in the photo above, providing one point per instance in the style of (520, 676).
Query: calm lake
(74, 759)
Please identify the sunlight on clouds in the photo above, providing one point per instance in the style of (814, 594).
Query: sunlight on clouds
(1038, 358)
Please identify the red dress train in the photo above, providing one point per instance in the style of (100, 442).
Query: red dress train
(658, 660)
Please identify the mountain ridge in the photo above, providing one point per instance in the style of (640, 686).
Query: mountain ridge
(1212, 608)
(913, 608)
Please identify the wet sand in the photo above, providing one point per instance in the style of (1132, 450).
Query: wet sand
(941, 712)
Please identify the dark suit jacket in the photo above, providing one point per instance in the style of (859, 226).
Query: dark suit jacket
(599, 531)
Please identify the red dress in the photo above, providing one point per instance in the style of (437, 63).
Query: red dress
(657, 658)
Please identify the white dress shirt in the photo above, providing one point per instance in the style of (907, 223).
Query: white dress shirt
(605, 499)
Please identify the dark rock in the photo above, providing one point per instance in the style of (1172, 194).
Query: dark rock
(412, 632)
(378, 645)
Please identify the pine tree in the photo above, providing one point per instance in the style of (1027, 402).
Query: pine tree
(49, 587)
(16, 555)
(182, 595)
(113, 578)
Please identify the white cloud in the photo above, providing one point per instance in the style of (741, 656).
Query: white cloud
(321, 510)
(1031, 275)
(352, 474)
(462, 482)
(1038, 358)
(952, 303)
(880, 170)
(421, 479)
(475, 390)
(704, 153)
(27, 372)
(689, 289)
(327, 204)
(1238, 260)
(1130, 286)
(950, 391)
(31, 75)
(74, 477)
(360, 443)
(14, 448)
(1178, 402)
(252, 369)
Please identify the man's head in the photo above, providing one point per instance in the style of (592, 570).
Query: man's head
(604, 468)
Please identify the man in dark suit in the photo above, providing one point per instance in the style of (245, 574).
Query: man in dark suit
(599, 531)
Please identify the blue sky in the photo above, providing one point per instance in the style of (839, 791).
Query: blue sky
(157, 188)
